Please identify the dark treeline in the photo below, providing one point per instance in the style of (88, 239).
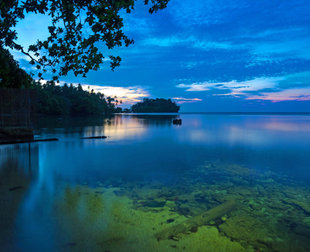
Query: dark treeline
(51, 99)
(68, 99)
(158, 105)
(11, 75)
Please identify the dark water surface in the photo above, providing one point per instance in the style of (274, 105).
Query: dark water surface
(215, 183)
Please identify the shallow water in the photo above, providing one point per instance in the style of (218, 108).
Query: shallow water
(215, 183)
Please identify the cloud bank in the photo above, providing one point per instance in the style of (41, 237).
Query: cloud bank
(182, 100)
(295, 87)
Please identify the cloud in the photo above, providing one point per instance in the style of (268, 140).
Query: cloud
(293, 87)
(182, 100)
(128, 95)
(234, 86)
(233, 25)
(208, 12)
(282, 49)
(137, 24)
(191, 41)
(297, 94)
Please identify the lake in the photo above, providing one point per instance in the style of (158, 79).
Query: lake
(218, 182)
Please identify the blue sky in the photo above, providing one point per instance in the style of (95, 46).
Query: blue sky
(212, 55)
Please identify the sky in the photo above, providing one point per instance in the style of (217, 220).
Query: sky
(208, 56)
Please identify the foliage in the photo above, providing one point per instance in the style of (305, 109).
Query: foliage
(158, 105)
(77, 26)
(11, 76)
(53, 99)
(69, 100)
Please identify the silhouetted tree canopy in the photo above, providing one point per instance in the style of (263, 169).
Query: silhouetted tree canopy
(70, 100)
(158, 105)
(51, 99)
(77, 26)
(11, 75)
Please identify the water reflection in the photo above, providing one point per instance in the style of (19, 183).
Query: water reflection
(123, 128)
(24, 159)
(253, 130)
(155, 119)
(280, 124)
(117, 127)
(118, 193)
(18, 168)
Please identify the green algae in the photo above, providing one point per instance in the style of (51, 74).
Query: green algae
(272, 213)
(197, 221)
(121, 227)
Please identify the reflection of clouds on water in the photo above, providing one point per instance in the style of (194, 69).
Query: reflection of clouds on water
(239, 130)
(116, 127)
(237, 134)
(199, 135)
(230, 135)
(283, 125)
(123, 128)
(132, 126)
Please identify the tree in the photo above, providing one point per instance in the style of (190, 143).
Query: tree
(69, 100)
(11, 76)
(68, 47)
(158, 105)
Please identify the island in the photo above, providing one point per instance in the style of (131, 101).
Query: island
(158, 105)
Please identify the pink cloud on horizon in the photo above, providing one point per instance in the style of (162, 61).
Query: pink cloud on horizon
(297, 94)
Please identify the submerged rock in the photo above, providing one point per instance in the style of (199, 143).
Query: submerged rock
(153, 203)
(15, 188)
(194, 229)
(243, 227)
(300, 204)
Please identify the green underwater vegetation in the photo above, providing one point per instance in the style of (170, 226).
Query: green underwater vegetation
(215, 207)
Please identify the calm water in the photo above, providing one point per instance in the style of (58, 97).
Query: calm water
(215, 183)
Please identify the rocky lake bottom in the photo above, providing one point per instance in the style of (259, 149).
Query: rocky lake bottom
(216, 207)
(214, 183)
